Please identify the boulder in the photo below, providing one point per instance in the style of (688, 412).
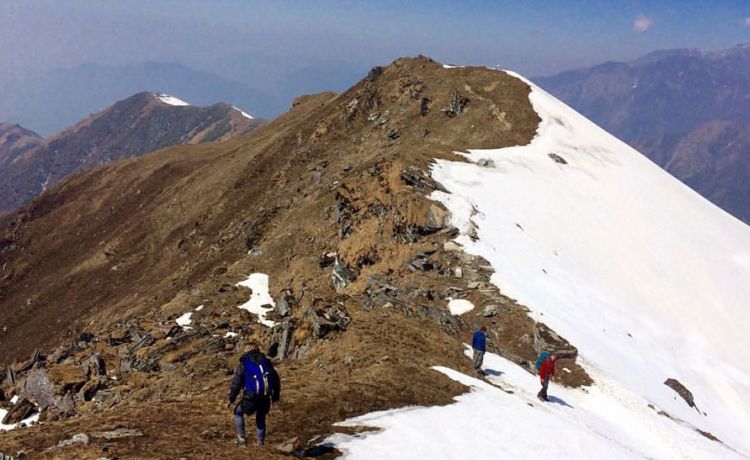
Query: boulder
(545, 339)
(40, 388)
(80, 438)
(20, 411)
(118, 336)
(489, 311)
(681, 390)
(67, 377)
(436, 217)
(94, 366)
(327, 319)
(341, 276)
(285, 303)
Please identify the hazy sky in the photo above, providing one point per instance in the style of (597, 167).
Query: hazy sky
(534, 37)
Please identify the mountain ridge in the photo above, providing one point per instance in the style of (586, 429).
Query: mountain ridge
(150, 124)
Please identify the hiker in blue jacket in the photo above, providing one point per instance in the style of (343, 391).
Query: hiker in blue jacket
(479, 344)
(261, 386)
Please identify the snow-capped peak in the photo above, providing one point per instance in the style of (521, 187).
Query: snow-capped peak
(171, 100)
(244, 114)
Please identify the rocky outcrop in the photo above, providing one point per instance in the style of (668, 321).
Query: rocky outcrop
(681, 390)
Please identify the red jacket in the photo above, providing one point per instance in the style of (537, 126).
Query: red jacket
(547, 369)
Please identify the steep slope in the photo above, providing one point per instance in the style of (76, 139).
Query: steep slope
(134, 126)
(14, 141)
(620, 258)
(651, 103)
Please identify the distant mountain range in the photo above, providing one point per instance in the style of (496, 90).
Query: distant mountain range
(134, 126)
(49, 102)
(687, 110)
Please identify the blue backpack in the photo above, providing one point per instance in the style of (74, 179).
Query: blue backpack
(542, 356)
(257, 376)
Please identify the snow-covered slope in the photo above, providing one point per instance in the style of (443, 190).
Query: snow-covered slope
(504, 420)
(649, 280)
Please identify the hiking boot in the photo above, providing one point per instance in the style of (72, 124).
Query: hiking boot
(240, 441)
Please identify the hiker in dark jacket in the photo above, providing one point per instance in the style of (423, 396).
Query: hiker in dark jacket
(479, 344)
(546, 371)
(261, 386)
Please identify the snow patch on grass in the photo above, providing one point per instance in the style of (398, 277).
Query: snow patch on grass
(185, 320)
(459, 306)
(260, 302)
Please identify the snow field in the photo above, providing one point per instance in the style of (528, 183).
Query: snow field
(648, 279)
(505, 420)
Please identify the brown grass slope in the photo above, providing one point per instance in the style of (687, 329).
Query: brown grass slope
(122, 250)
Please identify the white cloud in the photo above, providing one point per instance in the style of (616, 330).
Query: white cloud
(642, 24)
(746, 21)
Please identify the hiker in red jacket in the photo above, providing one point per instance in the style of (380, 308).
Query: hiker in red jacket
(545, 373)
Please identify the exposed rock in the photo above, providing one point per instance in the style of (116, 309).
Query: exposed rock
(486, 163)
(90, 388)
(21, 410)
(80, 438)
(327, 319)
(457, 105)
(39, 387)
(116, 434)
(94, 366)
(436, 217)
(489, 311)
(327, 259)
(557, 158)
(118, 336)
(67, 377)
(289, 446)
(341, 276)
(681, 390)
(415, 177)
(451, 246)
(281, 340)
(285, 303)
(545, 339)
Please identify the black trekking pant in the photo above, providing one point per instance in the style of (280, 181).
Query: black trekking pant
(249, 405)
(543, 392)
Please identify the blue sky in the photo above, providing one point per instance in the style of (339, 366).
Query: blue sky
(535, 37)
(247, 40)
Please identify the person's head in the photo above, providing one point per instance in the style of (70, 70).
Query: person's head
(483, 328)
(553, 356)
(252, 346)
